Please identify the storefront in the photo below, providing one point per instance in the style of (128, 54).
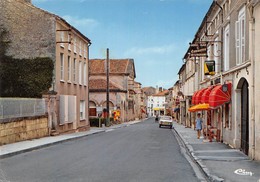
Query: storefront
(160, 111)
(210, 102)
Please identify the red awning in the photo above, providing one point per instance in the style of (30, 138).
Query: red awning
(193, 101)
(199, 96)
(219, 95)
(205, 95)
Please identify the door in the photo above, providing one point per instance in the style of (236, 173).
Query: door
(244, 119)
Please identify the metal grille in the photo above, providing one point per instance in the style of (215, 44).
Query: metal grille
(21, 107)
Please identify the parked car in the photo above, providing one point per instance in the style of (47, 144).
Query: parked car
(165, 121)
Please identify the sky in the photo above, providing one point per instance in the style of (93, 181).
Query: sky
(155, 33)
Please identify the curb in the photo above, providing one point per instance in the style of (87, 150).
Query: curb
(46, 145)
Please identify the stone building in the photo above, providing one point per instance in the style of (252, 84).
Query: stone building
(148, 92)
(121, 87)
(218, 76)
(34, 32)
(140, 108)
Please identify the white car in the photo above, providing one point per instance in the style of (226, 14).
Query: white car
(165, 121)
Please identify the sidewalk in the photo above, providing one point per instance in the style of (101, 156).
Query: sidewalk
(29, 145)
(218, 161)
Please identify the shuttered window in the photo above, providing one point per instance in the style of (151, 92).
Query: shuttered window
(240, 37)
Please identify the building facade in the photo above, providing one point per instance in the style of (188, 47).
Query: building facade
(159, 103)
(121, 88)
(34, 32)
(224, 58)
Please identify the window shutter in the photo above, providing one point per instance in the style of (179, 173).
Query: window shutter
(243, 39)
(237, 43)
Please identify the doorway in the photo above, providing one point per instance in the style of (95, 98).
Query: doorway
(244, 118)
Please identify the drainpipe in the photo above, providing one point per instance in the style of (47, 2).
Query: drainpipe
(252, 57)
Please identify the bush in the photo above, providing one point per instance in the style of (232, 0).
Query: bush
(94, 122)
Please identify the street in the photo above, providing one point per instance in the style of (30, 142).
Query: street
(140, 152)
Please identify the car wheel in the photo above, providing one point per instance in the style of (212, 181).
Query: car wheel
(170, 127)
(160, 126)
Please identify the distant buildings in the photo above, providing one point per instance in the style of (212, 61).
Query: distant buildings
(156, 101)
(122, 93)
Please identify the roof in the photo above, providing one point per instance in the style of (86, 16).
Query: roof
(100, 85)
(160, 94)
(117, 66)
(181, 69)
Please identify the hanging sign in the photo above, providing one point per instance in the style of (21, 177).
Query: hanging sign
(209, 67)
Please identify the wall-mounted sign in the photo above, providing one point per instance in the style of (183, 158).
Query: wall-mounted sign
(202, 50)
(199, 55)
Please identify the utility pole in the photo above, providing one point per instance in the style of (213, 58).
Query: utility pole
(107, 72)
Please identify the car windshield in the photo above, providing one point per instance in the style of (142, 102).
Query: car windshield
(166, 118)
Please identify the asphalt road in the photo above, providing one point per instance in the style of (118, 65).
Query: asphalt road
(138, 153)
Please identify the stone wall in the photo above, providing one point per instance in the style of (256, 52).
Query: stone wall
(23, 129)
(31, 31)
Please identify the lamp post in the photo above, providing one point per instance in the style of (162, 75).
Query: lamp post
(107, 90)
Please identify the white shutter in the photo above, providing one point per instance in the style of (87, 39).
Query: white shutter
(237, 43)
(216, 56)
(72, 108)
(242, 39)
(63, 109)
(69, 39)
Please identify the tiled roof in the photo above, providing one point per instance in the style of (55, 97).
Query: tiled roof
(101, 84)
(163, 93)
(116, 66)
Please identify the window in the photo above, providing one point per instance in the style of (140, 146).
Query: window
(61, 38)
(85, 51)
(85, 73)
(69, 69)
(74, 69)
(80, 73)
(69, 44)
(80, 50)
(75, 45)
(226, 48)
(82, 110)
(240, 37)
(92, 109)
(61, 66)
(216, 55)
(67, 109)
(227, 115)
